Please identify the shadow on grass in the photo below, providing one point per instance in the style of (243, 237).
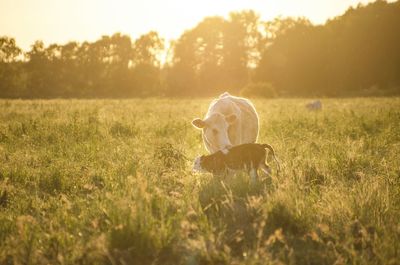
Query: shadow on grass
(256, 228)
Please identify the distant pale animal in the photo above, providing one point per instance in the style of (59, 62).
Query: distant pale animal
(248, 157)
(229, 121)
(314, 105)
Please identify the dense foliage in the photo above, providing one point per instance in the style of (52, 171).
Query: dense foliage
(356, 53)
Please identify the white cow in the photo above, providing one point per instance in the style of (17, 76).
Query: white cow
(314, 105)
(229, 121)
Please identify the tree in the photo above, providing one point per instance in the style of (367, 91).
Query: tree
(242, 39)
(9, 51)
(349, 55)
(148, 49)
(38, 72)
(216, 55)
(294, 60)
(9, 68)
(146, 64)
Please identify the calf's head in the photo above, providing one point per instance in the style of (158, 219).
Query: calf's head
(215, 129)
(197, 164)
(213, 163)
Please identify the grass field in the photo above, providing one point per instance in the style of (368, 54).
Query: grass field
(106, 182)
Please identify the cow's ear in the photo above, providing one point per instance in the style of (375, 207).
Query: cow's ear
(231, 118)
(199, 123)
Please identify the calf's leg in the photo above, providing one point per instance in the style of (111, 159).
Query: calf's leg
(253, 174)
(266, 169)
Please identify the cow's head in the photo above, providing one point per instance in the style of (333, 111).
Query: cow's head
(215, 129)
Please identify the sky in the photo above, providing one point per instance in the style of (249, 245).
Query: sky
(60, 21)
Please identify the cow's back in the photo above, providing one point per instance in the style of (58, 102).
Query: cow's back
(246, 128)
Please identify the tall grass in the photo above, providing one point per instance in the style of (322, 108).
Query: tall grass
(107, 182)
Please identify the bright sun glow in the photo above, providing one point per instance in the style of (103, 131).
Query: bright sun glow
(64, 20)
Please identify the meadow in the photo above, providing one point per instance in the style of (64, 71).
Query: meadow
(109, 182)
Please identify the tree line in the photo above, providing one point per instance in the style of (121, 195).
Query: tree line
(355, 54)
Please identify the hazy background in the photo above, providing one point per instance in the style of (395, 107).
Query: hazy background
(99, 49)
(73, 20)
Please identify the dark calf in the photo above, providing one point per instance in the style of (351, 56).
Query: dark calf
(248, 157)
